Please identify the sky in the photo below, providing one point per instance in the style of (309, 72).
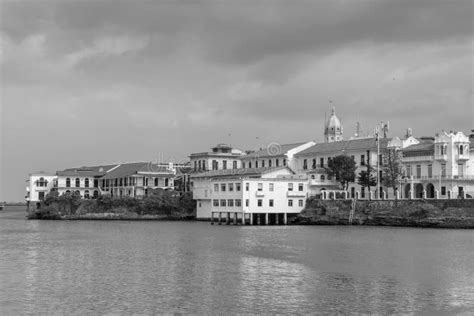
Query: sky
(99, 82)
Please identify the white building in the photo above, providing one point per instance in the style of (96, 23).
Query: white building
(443, 167)
(222, 157)
(84, 180)
(258, 195)
(38, 185)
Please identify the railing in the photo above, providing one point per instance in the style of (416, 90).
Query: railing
(417, 158)
(295, 194)
(445, 177)
(441, 157)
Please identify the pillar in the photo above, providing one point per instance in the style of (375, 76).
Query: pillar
(258, 219)
(370, 195)
(424, 194)
(397, 195)
(357, 195)
(235, 218)
(251, 218)
(449, 194)
(285, 219)
(243, 218)
(227, 220)
(436, 194)
(266, 218)
(212, 218)
(277, 219)
(220, 218)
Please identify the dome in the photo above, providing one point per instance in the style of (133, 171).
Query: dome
(333, 128)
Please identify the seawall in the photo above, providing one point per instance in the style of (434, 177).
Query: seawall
(457, 213)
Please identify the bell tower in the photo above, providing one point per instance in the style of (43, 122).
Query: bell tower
(333, 130)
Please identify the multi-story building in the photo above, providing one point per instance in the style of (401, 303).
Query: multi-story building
(275, 155)
(39, 184)
(222, 157)
(84, 180)
(441, 167)
(259, 195)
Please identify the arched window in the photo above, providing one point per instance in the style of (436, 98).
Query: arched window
(256, 164)
(166, 182)
(243, 164)
(250, 165)
(314, 164)
(234, 165)
(78, 183)
(156, 182)
(86, 182)
(68, 183)
(96, 194)
(68, 192)
(277, 163)
(312, 177)
(269, 162)
(86, 194)
(461, 150)
(284, 162)
(323, 177)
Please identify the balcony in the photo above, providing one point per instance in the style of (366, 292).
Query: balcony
(295, 194)
(462, 157)
(417, 158)
(259, 194)
(441, 157)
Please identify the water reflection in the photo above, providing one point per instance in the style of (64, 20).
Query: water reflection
(152, 267)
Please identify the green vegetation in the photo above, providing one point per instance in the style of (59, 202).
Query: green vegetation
(343, 168)
(392, 169)
(157, 204)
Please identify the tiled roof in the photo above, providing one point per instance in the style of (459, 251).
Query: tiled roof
(416, 150)
(277, 150)
(86, 171)
(237, 172)
(345, 145)
(129, 169)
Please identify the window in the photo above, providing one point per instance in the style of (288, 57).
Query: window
(443, 190)
(300, 186)
(380, 159)
(86, 182)
(121, 182)
(277, 163)
(256, 164)
(270, 203)
(223, 203)
(260, 187)
(125, 181)
(321, 162)
(461, 149)
(200, 165)
(223, 187)
(96, 183)
(284, 162)
(247, 202)
(41, 196)
(305, 164)
(323, 178)
(234, 165)
(418, 171)
(290, 203)
(259, 202)
(230, 203)
(271, 187)
(362, 160)
(443, 170)
(408, 171)
(215, 165)
(290, 186)
(156, 182)
(314, 164)
(250, 165)
(237, 187)
(224, 164)
(247, 186)
(96, 194)
(460, 170)
(238, 203)
(78, 182)
(231, 187)
(243, 164)
(269, 163)
(263, 163)
(195, 165)
(216, 187)
(430, 170)
(362, 192)
(215, 203)
(300, 203)
(68, 182)
(86, 194)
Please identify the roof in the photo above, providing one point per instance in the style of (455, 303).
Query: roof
(419, 149)
(134, 168)
(273, 150)
(238, 172)
(86, 171)
(344, 145)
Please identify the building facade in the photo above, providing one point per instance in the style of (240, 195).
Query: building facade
(39, 185)
(221, 157)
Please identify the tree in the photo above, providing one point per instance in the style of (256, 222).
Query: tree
(367, 178)
(392, 169)
(343, 168)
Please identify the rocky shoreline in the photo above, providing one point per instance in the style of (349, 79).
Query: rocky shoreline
(404, 213)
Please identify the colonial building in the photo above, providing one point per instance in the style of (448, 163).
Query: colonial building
(258, 195)
(441, 167)
(84, 180)
(38, 185)
(275, 155)
(221, 157)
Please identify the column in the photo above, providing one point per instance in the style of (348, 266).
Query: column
(277, 219)
(424, 194)
(212, 218)
(436, 194)
(251, 218)
(243, 218)
(220, 218)
(258, 219)
(235, 218)
(285, 219)
(266, 218)
(227, 220)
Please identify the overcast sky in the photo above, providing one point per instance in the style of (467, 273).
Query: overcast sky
(92, 82)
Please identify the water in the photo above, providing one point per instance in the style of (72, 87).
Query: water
(53, 267)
